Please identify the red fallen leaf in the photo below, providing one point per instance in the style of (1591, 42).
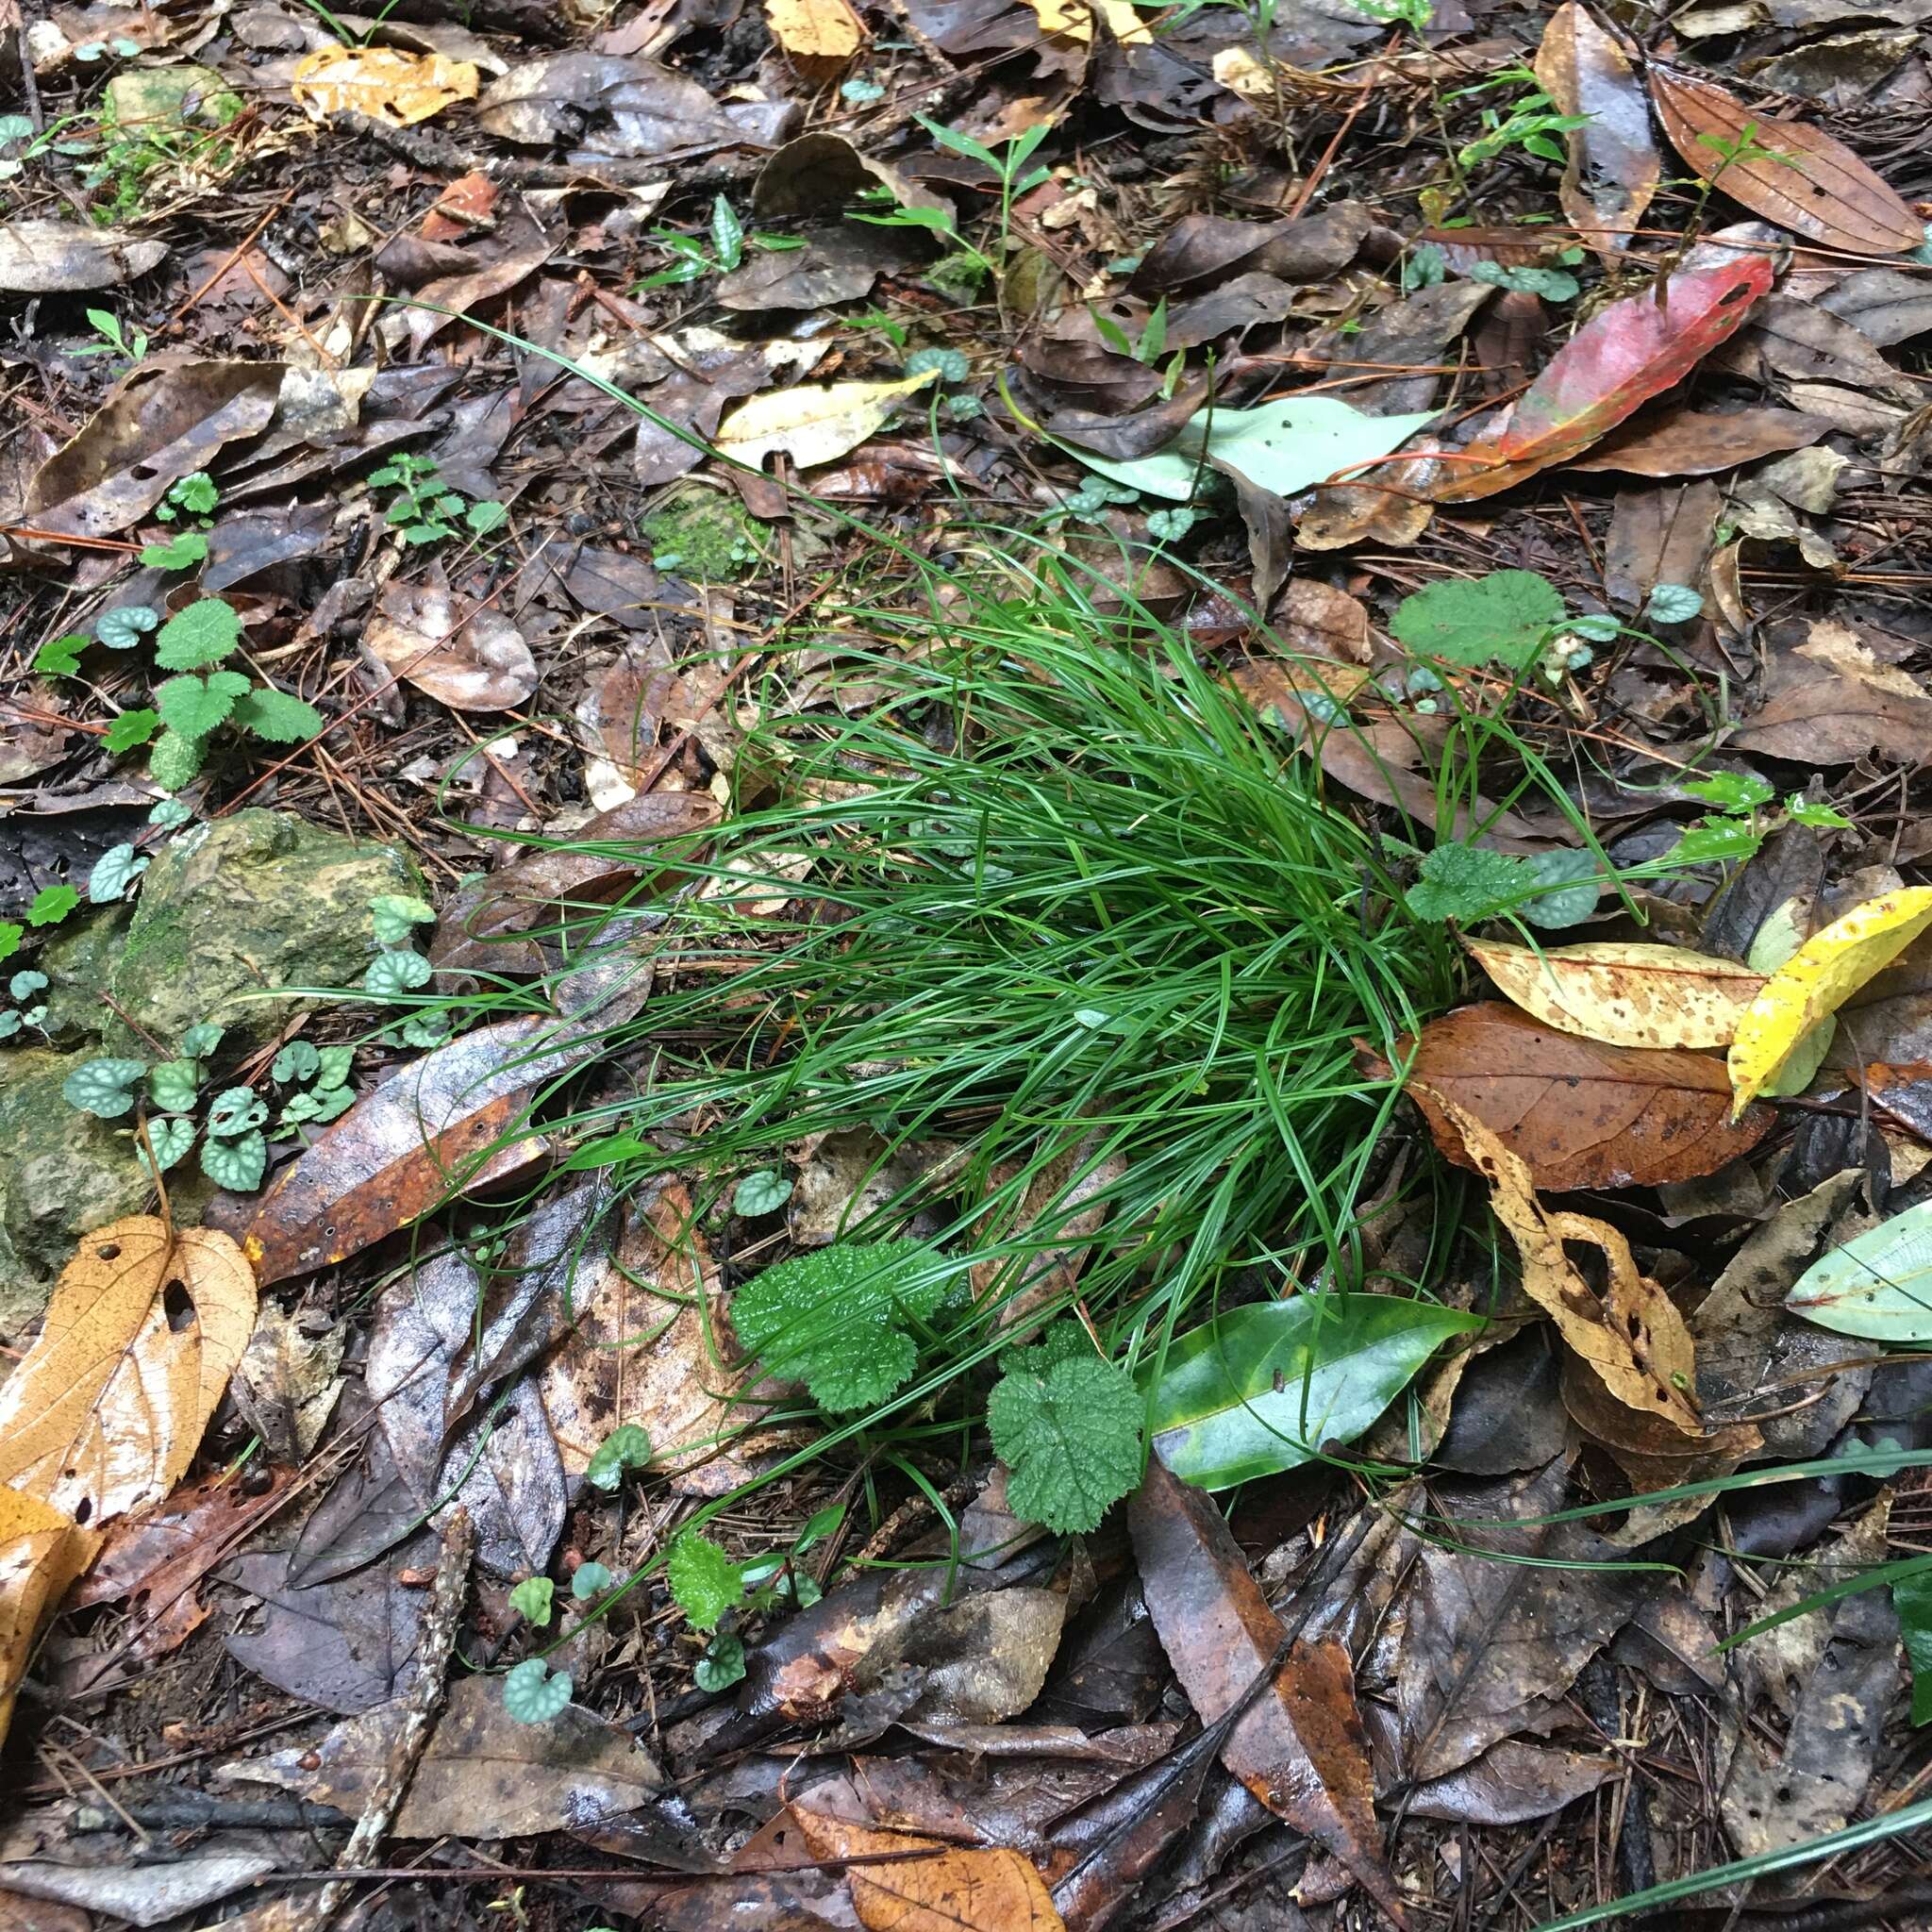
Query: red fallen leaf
(412, 1143)
(1302, 1750)
(1619, 359)
(1581, 1114)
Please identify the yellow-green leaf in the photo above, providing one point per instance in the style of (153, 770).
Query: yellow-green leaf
(817, 422)
(1818, 979)
(1625, 994)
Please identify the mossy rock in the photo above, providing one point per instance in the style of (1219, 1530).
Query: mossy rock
(162, 100)
(61, 1172)
(704, 536)
(227, 912)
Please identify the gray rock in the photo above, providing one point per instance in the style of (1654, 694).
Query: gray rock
(61, 1172)
(236, 908)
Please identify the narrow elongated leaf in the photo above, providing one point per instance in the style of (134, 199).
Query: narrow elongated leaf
(1261, 1388)
(1621, 357)
(1802, 179)
(1816, 979)
(1612, 170)
(1878, 1285)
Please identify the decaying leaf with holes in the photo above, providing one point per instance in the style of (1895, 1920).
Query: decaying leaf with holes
(106, 1411)
(1625, 994)
(1632, 1339)
(387, 84)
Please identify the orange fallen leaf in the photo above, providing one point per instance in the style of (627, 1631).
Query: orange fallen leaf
(143, 1329)
(816, 30)
(42, 1552)
(956, 1889)
(384, 83)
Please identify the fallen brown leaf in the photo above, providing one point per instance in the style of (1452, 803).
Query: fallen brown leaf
(1804, 180)
(1695, 442)
(1582, 1114)
(954, 1889)
(1584, 72)
(461, 652)
(1300, 1748)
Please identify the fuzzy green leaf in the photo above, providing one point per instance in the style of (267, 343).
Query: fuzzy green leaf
(533, 1693)
(829, 1317)
(532, 1599)
(1501, 618)
(204, 633)
(704, 1580)
(194, 705)
(1464, 882)
(129, 729)
(175, 760)
(61, 656)
(276, 717)
(104, 1087)
(1070, 1439)
(181, 551)
(11, 933)
(625, 1447)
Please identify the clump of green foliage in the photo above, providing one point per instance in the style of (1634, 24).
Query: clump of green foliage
(425, 510)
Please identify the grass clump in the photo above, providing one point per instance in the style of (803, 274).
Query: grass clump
(1075, 913)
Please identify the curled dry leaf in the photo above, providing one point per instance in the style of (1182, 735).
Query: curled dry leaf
(1829, 701)
(1625, 994)
(957, 1888)
(461, 652)
(1584, 72)
(1633, 1338)
(56, 257)
(108, 1408)
(1799, 178)
(425, 1134)
(383, 83)
(1581, 1114)
(42, 1552)
(817, 422)
(1816, 979)
(1623, 356)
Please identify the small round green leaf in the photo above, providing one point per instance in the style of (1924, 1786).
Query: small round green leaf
(722, 1663)
(121, 629)
(532, 1599)
(204, 633)
(236, 1165)
(589, 1579)
(174, 1086)
(297, 1061)
(51, 905)
(625, 1447)
(234, 1110)
(395, 917)
(761, 1193)
(202, 1038)
(104, 1087)
(114, 871)
(533, 1693)
(1575, 874)
(1673, 603)
(170, 1140)
(395, 971)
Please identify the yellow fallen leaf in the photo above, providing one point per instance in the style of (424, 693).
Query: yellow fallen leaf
(1624, 995)
(384, 83)
(1074, 20)
(1816, 979)
(816, 423)
(42, 1552)
(816, 30)
(106, 1410)
(1632, 1338)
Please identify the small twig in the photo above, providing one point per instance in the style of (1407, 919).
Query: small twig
(433, 1654)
